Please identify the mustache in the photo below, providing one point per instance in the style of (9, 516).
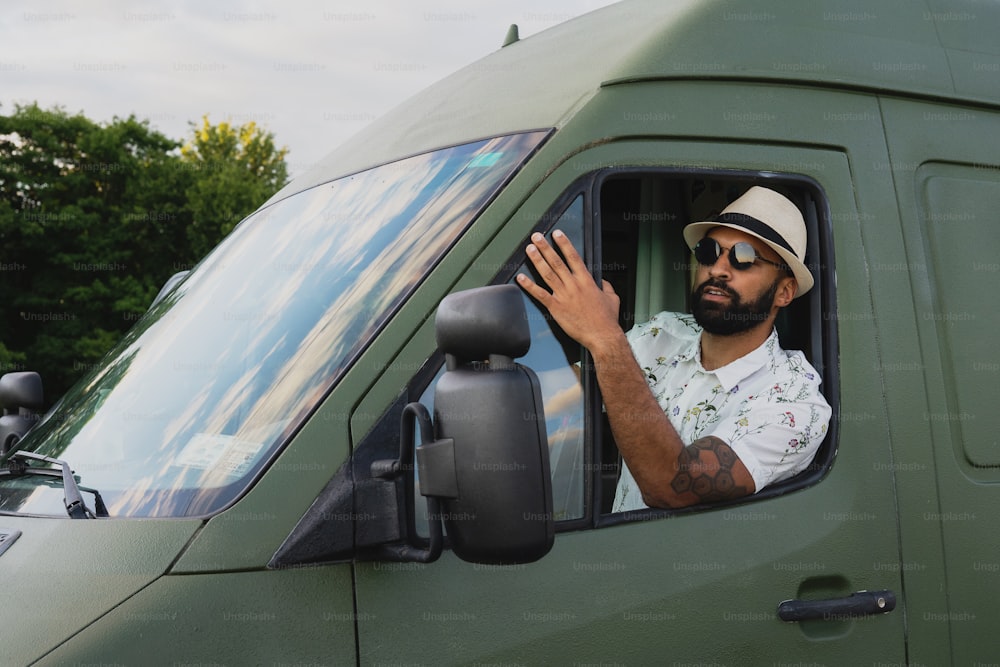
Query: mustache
(719, 285)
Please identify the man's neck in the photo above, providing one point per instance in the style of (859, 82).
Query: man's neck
(718, 351)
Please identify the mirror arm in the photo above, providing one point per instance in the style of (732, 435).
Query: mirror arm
(392, 469)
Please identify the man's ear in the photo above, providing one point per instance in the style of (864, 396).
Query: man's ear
(786, 291)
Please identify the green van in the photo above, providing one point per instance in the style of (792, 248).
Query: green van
(346, 437)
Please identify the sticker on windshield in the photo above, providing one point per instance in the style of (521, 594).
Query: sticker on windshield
(222, 453)
(486, 159)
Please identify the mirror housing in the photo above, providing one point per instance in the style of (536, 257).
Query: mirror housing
(489, 465)
(483, 461)
(170, 283)
(20, 396)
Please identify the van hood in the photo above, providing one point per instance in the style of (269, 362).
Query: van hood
(59, 575)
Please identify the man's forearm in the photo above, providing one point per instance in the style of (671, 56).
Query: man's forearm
(647, 440)
(669, 472)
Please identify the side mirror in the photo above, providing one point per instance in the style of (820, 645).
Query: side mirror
(167, 286)
(20, 396)
(490, 463)
(484, 460)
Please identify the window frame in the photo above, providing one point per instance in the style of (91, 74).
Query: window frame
(822, 313)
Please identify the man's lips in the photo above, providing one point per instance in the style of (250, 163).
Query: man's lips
(715, 293)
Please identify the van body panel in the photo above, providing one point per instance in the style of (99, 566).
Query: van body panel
(246, 535)
(243, 618)
(947, 181)
(697, 587)
(58, 576)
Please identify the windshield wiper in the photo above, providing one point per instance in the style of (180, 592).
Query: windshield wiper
(73, 499)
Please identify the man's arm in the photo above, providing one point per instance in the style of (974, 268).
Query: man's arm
(668, 472)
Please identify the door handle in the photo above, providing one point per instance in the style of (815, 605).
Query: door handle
(862, 603)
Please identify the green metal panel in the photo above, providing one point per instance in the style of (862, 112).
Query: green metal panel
(975, 70)
(959, 207)
(943, 383)
(701, 589)
(959, 204)
(291, 617)
(60, 575)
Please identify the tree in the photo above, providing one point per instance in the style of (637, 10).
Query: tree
(238, 169)
(95, 217)
(76, 259)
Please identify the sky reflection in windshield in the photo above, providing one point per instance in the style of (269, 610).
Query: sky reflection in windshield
(213, 381)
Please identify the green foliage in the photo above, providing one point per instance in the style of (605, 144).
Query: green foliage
(238, 168)
(95, 217)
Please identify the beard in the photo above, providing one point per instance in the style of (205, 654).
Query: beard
(734, 318)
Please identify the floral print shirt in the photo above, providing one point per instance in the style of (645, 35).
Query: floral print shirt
(766, 406)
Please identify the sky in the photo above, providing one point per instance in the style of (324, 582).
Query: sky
(312, 72)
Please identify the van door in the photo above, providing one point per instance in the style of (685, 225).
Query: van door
(696, 586)
(942, 387)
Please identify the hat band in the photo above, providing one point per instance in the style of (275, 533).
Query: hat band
(754, 225)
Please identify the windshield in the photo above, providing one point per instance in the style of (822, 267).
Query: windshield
(216, 377)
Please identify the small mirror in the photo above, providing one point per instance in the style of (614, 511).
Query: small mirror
(171, 283)
(20, 396)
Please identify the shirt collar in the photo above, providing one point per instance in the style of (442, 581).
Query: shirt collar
(736, 371)
(691, 350)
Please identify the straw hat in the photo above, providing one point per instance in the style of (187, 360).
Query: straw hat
(772, 218)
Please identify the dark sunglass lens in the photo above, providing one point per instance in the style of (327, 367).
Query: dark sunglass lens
(707, 252)
(742, 255)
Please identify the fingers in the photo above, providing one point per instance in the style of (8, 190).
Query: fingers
(612, 296)
(532, 288)
(585, 310)
(550, 264)
(573, 262)
(540, 255)
(557, 273)
(547, 262)
(573, 259)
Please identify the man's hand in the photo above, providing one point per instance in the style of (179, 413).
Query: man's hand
(586, 312)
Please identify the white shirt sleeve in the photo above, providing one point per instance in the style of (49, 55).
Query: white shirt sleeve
(777, 435)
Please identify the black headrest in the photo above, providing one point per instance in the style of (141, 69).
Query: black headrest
(475, 324)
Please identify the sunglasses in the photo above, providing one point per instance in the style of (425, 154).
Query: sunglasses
(741, 256)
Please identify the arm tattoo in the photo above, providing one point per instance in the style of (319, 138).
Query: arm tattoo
(705, 468)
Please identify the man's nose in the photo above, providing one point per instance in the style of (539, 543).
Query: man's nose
(721, 269)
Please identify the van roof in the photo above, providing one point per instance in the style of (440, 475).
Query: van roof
(944, 49)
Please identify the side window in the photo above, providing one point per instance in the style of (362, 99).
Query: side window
(644, 256)
(554, 357)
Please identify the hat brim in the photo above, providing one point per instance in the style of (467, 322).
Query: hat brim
(696, 231)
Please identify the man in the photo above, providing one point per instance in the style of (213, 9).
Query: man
(710, 407)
